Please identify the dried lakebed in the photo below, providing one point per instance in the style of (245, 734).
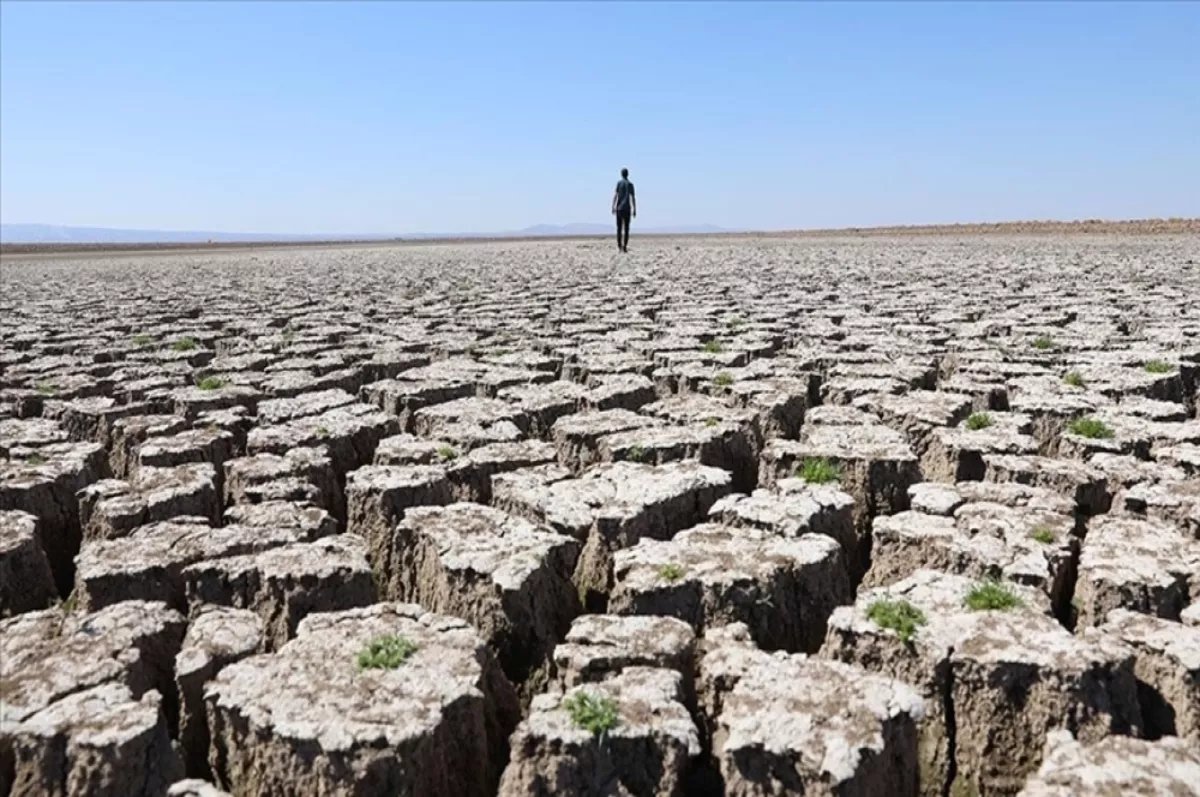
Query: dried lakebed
(866, 517)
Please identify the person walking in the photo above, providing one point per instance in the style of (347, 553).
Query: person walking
(624, 207)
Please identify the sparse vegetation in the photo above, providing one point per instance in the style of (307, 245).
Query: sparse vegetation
(1073, 379)
(1091, 428)
(714, 347)
(979, 420)
(210, 383)
(322, 431)
(35, 459)
(445, 453)
(386, 653)
(671, 573)
(1043, 343)
(184, 344)
(142, 340)
(711, 421)
(70, 603)
(635, 454)
(734, 323)
(818, 470)
(596, 714)
(723, 379)
(1043, 535)
(1159, 367)
(287, 335)
(46, 389)
(900, 616)
(991, 595)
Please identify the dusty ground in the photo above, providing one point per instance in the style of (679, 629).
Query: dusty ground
(371, 519)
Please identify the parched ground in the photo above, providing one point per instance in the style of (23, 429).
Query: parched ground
(883, 515)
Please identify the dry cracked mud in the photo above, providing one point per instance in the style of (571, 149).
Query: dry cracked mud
(864, 516)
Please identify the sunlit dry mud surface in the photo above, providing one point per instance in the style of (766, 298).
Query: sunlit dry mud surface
(879, 516)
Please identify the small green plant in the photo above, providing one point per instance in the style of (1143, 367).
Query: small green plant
(142, 340)
(35, 460)
(184, 344)
(596, 714)
(818, 470)
(714, 347)
(671, 573)
(723, 379)
(711, 421)
(1159, 367)
(635, 454)
(1043, 535)
(210, 383)
(1091, 428)
(991, 595)
(322, 431)
(734, 323)
(445, 453)
(1043, 342)
(386, 653)
(46, 389)
(1073, 379)
(979, 420)
(70, 603)
(900, 616)
(287, 335)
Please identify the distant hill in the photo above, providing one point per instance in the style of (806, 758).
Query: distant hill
(62, 234)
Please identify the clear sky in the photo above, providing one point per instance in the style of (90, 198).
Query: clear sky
(401, 117)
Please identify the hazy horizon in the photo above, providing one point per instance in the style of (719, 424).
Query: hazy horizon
(405, 118)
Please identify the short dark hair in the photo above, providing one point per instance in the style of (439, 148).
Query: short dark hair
(624, 172)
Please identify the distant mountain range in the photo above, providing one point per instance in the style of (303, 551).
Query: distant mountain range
(61, 234)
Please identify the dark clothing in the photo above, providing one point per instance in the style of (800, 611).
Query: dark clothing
(623, 224)
(624, 195)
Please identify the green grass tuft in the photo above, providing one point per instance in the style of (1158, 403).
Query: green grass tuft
(635, 454)
(711, 421)
(386, 653)
(1159, 367)
(1043, 343)
(1073, 379)
(142, 340)
(734, 323)
(184, 344)
(210, 383)
(35, 460)
(818, 470)
(671, 573)
(979, 420)
(1091, 428)
(723, 379)
(1043, 535)
(46, 389)
(714, 347)
(445, 453)
(322, 431)
(900, 616)
(991, 595)
(596, 714)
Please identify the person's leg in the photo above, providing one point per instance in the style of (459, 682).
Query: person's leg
(619, 222)
(625, 224)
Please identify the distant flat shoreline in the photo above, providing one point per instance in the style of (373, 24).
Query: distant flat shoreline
(1088, 227)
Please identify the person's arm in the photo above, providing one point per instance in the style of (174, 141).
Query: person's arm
(632, 201)
(614, 203)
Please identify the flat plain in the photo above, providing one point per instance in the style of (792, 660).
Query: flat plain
(881, 516)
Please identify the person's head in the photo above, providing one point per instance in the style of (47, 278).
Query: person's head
(624, 174)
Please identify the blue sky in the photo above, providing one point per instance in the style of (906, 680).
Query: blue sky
(397, 117)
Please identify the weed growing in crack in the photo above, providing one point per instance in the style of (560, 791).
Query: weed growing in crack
(142, 341)
(991, 595)
(1158, 367)
(711, 421)
(979, 420)
(210, 383)
(900, 616)
(723, 379)
(1073, 379)
(46, 389)
(1091, 428)
(35, 460)
(671, 573)
(184, 344)
(1043, 535)
(446, 453)
(713, 347)
(386, 653)
(635, 454)
(818, 470)
(596, 714)
(1043, 343)
(322, 431)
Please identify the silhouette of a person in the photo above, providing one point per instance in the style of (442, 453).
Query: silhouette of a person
(624, 207)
